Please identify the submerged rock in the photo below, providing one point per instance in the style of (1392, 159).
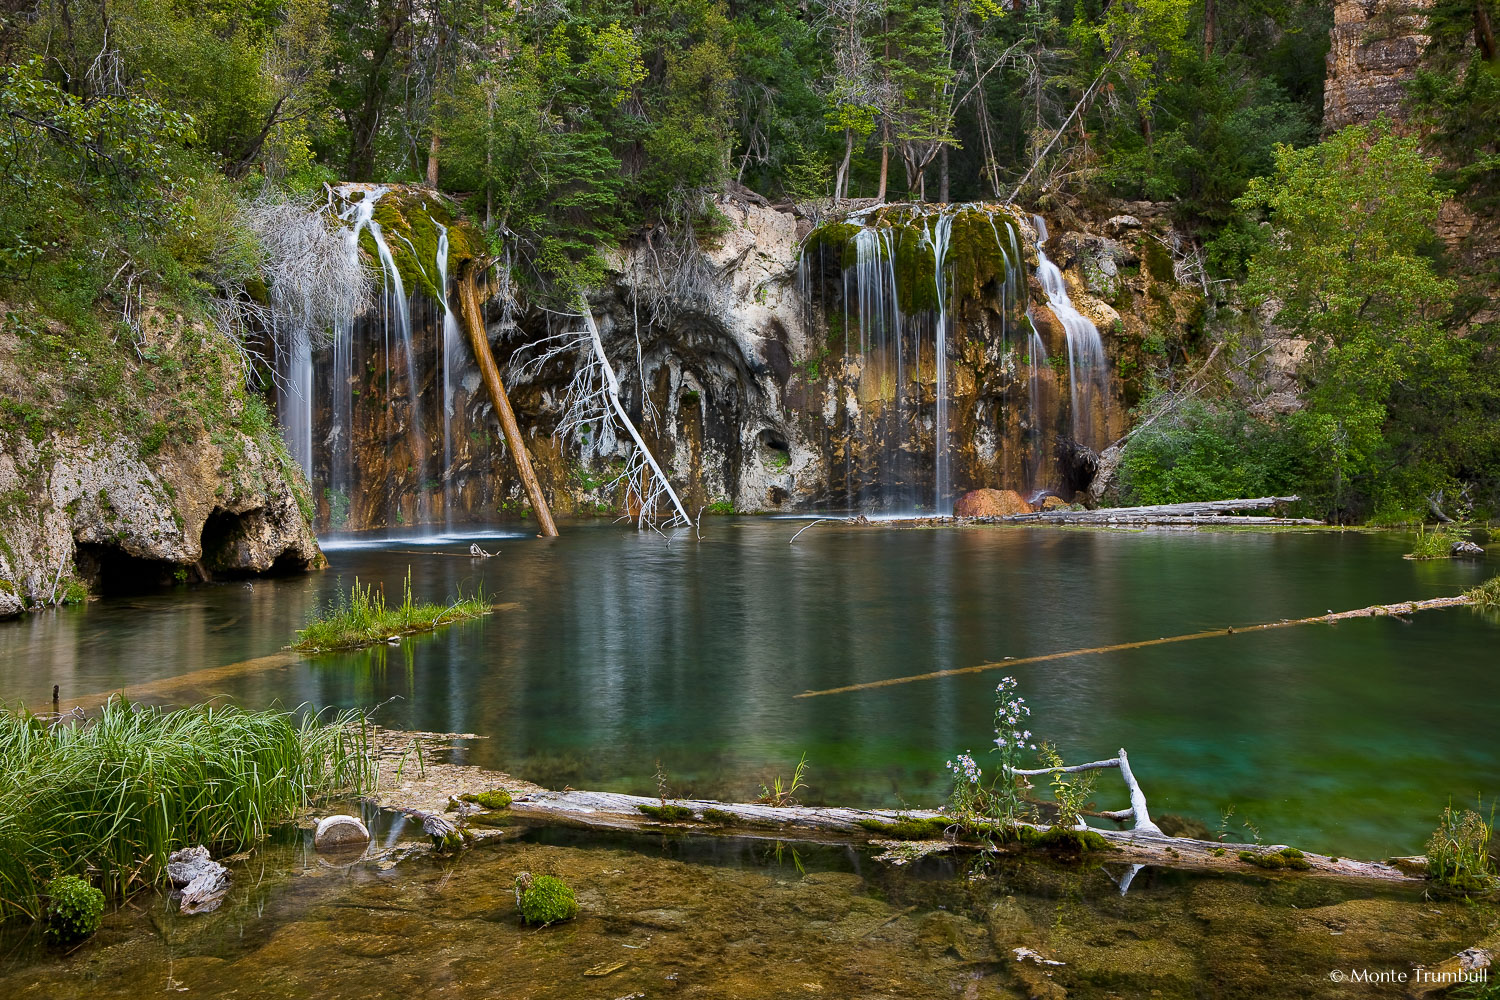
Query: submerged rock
(202, 882)
(340, 832)
(990, 503)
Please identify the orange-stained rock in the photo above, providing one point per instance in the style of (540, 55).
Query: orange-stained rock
(990, 503)
(1052, 502)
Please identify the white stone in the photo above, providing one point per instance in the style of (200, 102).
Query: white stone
(340, 832)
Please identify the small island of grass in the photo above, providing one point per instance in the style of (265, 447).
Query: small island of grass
(363, 618)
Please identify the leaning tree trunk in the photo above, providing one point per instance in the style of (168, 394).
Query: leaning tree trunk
(473, 315)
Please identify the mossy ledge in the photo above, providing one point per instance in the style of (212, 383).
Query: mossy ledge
(410, 219)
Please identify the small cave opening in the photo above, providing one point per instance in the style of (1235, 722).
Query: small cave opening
(774, 440)
(218, 538)
(109, 569)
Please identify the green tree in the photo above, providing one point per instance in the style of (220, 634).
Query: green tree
(1346, 254)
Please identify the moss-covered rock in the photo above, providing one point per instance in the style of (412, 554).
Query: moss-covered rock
(544, 899)
(74, 909)
(495, 798)
(411, 221)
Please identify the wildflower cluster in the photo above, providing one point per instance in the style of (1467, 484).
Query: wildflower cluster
(965, 768)
(1008, 715)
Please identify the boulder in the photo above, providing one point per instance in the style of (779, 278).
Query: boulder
(202, 882)
(990, 503)
(340, 832)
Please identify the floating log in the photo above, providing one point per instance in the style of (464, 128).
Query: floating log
(473, 314)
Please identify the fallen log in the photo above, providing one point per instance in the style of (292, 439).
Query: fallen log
(838, 825)
(1201, 509)
(473, 315)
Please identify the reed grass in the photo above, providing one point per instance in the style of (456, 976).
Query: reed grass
(1433, 544)
(363, 618)
(1486, 595)
(110, 798)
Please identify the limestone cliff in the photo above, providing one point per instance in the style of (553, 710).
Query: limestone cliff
(1375, 47)
(133, 457)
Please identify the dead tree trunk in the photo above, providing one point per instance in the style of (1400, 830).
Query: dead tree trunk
(473, 314)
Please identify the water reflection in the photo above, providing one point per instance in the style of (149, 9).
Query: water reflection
(627, 649)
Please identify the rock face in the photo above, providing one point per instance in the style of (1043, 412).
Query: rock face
(1374, 49)
(734, 364)
(90, 503)
(991, 503)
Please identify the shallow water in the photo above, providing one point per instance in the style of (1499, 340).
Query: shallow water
(627, 649)
(719, 917)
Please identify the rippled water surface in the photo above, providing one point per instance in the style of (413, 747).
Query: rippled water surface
(620, 649)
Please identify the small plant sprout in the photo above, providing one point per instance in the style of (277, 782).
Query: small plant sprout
(783, 794)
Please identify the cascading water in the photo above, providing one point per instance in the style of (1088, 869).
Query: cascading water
(901, 331)
(448, 348)
(1088, 372)
(398, 305)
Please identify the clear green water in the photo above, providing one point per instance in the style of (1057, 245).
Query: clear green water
(717, 918)
(627, 650)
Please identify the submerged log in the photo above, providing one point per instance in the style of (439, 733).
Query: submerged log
(473, 315)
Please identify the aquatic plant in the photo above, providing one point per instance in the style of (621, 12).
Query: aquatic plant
(544, 899)
(1486, 595)
(779, 794)
(74, 909)
(1434, 544)
(364, 618)
(1458, 851)
(114, 796)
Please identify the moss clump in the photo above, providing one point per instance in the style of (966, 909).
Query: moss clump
(834, 242)
(1059, 838)
(909, 828)
(73, 909)
(1158, 260)
(495, 798)
(409, 221)
(544, 900)
(668, 813)
(720, 817)
(1287, 857)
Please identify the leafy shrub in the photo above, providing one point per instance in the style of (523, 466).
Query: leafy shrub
(1199, 452)
(544, 899)
(73, 909)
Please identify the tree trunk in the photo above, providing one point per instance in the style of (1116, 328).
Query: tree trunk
(1210, 28)
(432, 162)
(473, 314)
(943, 174)
(1484, 31)
(885, 160)
(841, 179)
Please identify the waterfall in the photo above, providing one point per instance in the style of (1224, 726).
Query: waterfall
(294, 406)
(1088, 371)
(940, 237)
(340, 438)
(448, 348)
(398, 306)
(894, 312)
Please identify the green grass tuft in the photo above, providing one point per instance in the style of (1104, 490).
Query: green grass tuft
(112, 797)
(364, 619)
(1434, 544)
(1486, 595)
(1458, 852)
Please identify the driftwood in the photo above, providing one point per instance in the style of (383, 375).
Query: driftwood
(836, 825)
(473, 314)
(1137, 812)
